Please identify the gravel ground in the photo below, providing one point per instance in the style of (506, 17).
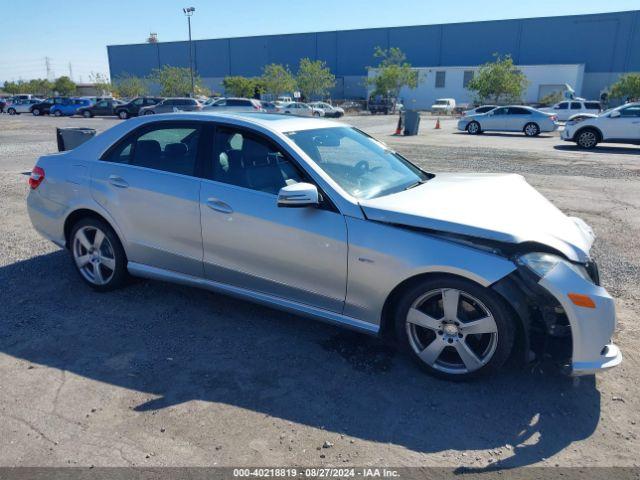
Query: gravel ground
(159, 374)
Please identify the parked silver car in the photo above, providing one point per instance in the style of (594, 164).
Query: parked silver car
(232, 104)
(317, 218)
(174, 104)
(513, 118)
(328, 109)
(301, 110)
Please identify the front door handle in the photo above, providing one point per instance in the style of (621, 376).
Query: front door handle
(117, 181)
(218, 205)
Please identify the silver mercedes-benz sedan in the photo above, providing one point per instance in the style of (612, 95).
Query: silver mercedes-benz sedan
(513, 118)
(466, 271)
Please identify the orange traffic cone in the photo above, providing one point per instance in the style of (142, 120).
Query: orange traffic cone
(399, 126)
(437, 124)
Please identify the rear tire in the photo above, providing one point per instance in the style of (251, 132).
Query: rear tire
(87, 114)
(474, 128)
(57, 113)
(587, 138)
(123, 114)
(98, 254)
(531, 129)
(149, 112)
(454, 328)
(12, 111)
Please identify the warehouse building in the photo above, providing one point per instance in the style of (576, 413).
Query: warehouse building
(592, 49)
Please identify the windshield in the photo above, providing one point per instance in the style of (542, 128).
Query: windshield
(441, 102)
(361, 165)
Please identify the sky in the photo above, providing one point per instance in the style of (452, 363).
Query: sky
(73, 34)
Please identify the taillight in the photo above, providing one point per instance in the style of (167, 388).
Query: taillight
(554, 118)
(36, 177)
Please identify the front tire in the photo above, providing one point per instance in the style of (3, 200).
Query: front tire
(87, 114)
(149, 112)
(531, 129)
(35, 112)
(57, 113)
(123, 115)
(12, 111)
(473, 128)
(98, 255)
(587, 138)
(454, 328)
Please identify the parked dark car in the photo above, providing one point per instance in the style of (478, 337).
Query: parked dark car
(132, 108)
(44, 107)
(380, 104)
(103, 107)
(3, 104)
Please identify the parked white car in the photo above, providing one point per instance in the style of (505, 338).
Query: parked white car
(22, 106)
(443, 106)
(301, 110)
(620, 125)
(567, 109)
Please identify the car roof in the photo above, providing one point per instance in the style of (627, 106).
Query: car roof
(270, 121)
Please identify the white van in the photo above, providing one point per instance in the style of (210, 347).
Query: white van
(443, 106)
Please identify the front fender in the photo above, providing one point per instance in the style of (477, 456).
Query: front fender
(383, 256)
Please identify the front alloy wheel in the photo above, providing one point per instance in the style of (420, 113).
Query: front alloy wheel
(473, 128)
(123, 115)
(455, 329)
(587, 139)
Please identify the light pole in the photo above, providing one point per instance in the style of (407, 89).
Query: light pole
(188, 11)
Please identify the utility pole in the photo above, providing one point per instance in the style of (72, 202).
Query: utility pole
(188, 11)
(47, 64)
(70, 71)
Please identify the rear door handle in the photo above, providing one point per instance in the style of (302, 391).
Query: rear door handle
(117, 181)
(218, 205)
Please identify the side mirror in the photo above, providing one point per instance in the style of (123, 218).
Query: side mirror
(298, 195)
(615, 114)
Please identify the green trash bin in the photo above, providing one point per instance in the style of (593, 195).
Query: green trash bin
(411, 122)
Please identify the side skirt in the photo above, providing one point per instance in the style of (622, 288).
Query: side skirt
(146, 271)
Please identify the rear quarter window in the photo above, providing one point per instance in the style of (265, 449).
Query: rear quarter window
(592, 105)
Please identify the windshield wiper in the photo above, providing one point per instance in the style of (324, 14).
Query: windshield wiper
(418, 183)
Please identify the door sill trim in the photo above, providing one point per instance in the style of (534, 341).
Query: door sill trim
(154, 273)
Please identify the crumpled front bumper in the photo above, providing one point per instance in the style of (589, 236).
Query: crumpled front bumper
(591, 328)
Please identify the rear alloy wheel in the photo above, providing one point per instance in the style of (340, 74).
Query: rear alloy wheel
(454, 328)
(98, 254)
(12, 111)
(123, 115)
(587, 139)
(531, 129)
(473, 128)
(36, 112)
(57, 113)
(87, 114)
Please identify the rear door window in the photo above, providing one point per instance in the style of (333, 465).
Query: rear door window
(576, 105)
(169, 148)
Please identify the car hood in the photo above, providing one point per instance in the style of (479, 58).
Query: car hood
(497, 207)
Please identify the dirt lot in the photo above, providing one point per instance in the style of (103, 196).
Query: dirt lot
(158, 374)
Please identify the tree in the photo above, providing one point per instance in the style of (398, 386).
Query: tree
(627, 87)
(277, 79)
(101, 82)
(129, 86)
(314, 78)
(551, 99)
(64, 86)
(499, 81)
(175, 81)
(393, 73)
(239, 86)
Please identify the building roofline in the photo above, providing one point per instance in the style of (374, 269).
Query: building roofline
(521, 19)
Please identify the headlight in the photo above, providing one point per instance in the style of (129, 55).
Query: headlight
(542, 263)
